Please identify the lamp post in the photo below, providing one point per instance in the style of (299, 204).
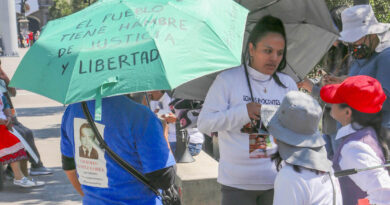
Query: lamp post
(22, 7)
(23, 25)
(23, 22)
(87, 1)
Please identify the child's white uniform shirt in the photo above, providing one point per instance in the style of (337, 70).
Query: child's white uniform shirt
(356, 154)
(305, 188)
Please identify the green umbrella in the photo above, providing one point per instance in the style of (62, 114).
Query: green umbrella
(115, 47)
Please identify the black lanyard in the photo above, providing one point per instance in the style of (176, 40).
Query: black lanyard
(249, 83)
(251, 92)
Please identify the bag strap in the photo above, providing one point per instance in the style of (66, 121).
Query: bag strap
(103, 145)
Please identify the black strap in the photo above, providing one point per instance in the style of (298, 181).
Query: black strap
(249, 82)
(114, 156)
(250, 89)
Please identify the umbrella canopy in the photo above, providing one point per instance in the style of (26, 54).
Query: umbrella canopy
(115, 47)
(310, 33)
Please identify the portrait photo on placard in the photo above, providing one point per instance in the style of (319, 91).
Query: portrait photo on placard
(90, 161)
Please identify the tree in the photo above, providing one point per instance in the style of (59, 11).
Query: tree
(358, 2)
(382, 10)
(381, 7)
(59, 9)
(77, 5)
(62, 8)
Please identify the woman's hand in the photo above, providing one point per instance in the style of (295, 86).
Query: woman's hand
(253, 110)
(330, 79)
(3, 122)
(170, 118)
(306, 84)
(9, 123)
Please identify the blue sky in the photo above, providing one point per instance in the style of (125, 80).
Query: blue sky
(33, 6)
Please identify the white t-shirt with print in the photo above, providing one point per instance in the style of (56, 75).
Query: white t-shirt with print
(224, 111)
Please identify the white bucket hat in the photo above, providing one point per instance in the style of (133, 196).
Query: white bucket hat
(295, 126)
(359, 21)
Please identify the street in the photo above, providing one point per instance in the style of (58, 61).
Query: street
(43, 117)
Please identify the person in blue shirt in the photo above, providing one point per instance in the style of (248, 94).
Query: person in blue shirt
(134, 133)
(369, 41)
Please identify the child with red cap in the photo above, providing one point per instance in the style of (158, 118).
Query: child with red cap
(357, 104)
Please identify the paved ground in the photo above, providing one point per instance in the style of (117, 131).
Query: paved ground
(43, 116)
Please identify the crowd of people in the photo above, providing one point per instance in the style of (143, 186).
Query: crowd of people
(177, 111)
(356, 119)
(359, 106)
(28, 39)
(271, 148)
(12, 151)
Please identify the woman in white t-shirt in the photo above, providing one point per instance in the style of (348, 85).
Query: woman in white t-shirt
(232, 106)
(304, 170)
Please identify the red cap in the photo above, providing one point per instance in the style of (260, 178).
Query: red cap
(363, 93)
(363, 202)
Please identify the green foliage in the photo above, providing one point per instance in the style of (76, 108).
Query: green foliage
(334, 3)
(382, 10)
(382, 13)
(62, 8)
(77, 5)
(381, 7)
(59, 9)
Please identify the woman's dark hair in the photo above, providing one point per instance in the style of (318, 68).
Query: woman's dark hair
(335, 13)
(337, 61)
(373, 120)
(337, 57)
(278, 160)
(268, 24)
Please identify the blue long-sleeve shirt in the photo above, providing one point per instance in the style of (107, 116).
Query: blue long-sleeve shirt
(378, 67)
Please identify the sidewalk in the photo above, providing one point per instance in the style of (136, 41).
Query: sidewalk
(43, 116)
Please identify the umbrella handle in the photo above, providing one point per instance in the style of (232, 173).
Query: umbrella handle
(98, 98)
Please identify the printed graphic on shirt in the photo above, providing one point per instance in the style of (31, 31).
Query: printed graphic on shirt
(90, 161)
(262, 101)
(261, 144)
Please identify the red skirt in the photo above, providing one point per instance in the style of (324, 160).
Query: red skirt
(11, 149)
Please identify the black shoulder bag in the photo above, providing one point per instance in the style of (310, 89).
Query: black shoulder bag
(169, 196)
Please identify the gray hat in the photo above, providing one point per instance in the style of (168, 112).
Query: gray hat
(295, 125)
(311, 158)
(296, 120)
